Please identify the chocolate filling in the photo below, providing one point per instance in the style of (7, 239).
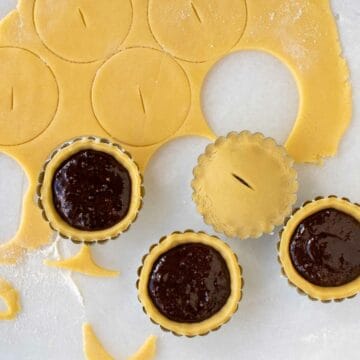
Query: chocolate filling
(325, 248)
(189, 283)
(91, 190)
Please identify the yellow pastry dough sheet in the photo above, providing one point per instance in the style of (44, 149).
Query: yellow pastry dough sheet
(133, 72)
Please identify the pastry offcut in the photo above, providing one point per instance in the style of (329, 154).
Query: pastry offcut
(12, 300)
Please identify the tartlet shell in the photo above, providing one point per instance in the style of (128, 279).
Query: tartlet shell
(216, 321)
(44, 193)
(264, 225)
(304, 287)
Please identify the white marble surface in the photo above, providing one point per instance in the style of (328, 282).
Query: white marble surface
(273, 321)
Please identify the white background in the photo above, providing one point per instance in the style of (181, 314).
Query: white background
(273, 321)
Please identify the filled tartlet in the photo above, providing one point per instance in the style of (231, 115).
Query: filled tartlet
(90, 190)
(244, 185)
(190, 283)
(319, 249)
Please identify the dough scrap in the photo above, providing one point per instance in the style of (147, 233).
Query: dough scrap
(94, 350)
(83, 263)
(12, 300)
(147, 351)
(209, 28)
(302, 34)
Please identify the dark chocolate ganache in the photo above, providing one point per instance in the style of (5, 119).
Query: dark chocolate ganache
(325, 248)
(189, 283)
(91, 190)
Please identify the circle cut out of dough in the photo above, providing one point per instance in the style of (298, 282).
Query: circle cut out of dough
(197, 30)
(11, 298)
(81, 30)
(28, 96)
(141, 96)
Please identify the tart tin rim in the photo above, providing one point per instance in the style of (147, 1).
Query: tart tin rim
(265, 227)
(214, 322)
(44, 193)
(305, 287)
